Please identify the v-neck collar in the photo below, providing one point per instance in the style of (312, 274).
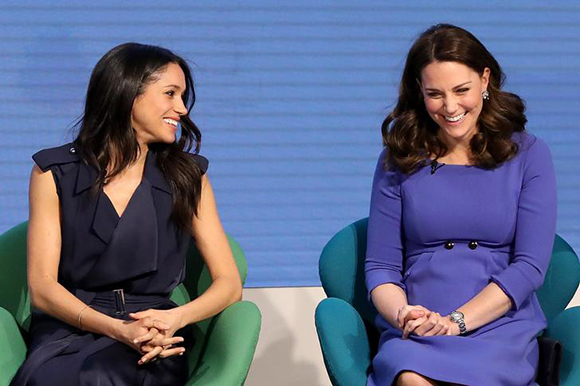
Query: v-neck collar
(87, 175)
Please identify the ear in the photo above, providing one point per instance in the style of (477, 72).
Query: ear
(485, 78)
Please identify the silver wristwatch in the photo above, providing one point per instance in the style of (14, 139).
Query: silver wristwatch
(458, 317)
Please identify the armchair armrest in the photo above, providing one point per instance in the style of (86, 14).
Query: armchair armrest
(344, 342)
(13, 350)
(230, 348)
(564, 328)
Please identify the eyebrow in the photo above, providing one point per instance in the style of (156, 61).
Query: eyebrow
(456, 87)
(173, 86)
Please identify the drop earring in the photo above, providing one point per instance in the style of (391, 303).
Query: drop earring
(485, 95)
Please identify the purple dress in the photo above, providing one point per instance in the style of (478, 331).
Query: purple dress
(421, 235)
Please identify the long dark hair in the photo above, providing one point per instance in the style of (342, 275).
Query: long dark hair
(106, 136)
(410, 134)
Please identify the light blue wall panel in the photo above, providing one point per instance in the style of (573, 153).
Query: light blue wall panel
(291, 97)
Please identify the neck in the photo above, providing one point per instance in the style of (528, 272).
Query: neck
(144, 149)
(140, 161)
(458, 149)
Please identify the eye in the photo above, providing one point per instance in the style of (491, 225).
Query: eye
(433, 95)
(462, 90)
(171, 93)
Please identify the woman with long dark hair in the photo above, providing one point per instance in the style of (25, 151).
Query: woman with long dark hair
(462, 221)
(111, 217)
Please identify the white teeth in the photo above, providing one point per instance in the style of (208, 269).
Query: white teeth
(455, 118)
(170, 121)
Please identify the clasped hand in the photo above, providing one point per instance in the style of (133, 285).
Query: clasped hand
(151, 333)
(423, 322)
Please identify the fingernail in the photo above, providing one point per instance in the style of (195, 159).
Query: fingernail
(181, 353)
(135, 341)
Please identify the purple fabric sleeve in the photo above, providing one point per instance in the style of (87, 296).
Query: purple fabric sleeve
(535, 227)
(384, 258)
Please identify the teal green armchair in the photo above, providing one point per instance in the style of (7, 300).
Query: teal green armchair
(227, 341)
(348, 346)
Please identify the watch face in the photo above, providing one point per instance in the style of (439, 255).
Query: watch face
(455, 315)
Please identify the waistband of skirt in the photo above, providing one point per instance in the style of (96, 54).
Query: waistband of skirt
(112, 296)
(117, 299)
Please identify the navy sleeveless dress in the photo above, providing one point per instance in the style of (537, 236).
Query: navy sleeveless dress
(442, 237)
(141, 253)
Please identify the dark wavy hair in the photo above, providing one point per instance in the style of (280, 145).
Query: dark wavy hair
(106, 136)
(410, 134)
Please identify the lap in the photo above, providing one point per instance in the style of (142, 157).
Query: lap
(113, 364)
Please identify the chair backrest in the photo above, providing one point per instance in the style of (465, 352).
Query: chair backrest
(341, 268)
(14, 288)
(13, 284)
(197, 280)
(561, 280)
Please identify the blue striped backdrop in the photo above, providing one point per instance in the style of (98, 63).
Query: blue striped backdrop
(291, 96)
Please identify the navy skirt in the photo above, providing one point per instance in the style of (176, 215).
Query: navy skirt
(60, 354)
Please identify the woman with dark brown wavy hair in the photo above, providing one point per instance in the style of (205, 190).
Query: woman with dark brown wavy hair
(461, 226)
(111, 218)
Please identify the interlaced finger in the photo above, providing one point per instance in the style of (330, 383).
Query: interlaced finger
(435, 327)
(428, 325)
(407, 313)
(147, 337)
(150, 355)
(172, 351)
(412, 325)
(170, 341)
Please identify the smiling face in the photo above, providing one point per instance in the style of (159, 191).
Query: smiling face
(157, 111)
(453, 97)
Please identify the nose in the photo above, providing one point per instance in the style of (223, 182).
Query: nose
(180, 107)
(450, 105)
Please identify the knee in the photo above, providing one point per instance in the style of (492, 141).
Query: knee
(410, 378)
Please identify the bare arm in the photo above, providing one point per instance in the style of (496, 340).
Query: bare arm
(213, 245)
(226, 287)
(487, 306)
(389, 299)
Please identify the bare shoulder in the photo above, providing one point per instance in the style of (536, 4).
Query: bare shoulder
(42, 187)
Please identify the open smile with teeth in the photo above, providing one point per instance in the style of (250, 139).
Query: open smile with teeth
(456, 118)
(170, 121)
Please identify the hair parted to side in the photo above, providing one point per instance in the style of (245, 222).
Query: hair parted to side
(410, 134)
(106, 136)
